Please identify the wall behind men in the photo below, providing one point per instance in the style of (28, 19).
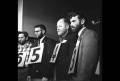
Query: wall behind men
(47, 12)
(33, 14)
(31, 21)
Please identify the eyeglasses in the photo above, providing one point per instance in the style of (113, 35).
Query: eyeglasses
(38, 31)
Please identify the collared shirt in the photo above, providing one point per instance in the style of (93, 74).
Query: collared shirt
(41, 40)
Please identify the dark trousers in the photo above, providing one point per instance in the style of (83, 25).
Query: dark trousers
(22, 74)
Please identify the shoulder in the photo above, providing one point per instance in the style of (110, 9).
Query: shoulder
(89, 38)
(89, 33)
(72, 36)
(48, 39)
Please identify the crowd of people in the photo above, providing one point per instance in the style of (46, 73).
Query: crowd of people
(73, 57)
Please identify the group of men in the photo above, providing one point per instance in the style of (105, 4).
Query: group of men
(74, 57)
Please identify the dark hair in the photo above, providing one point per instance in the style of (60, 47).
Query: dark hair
(23, 32)
(40, 26)
(80, 15)
(66, 20)
(71, 14)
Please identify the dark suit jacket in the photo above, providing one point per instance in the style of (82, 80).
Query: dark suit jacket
(87, 57)
(64, 57)
(45, 68)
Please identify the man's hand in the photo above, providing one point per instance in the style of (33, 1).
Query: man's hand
(44, 79)
(28, 78)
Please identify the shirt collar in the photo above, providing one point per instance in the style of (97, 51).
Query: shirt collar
(42, 39)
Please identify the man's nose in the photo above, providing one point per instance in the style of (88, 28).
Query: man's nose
(35, 33)
(58, 29)
(71, 24)
(20, 38)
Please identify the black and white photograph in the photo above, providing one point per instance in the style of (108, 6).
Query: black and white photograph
(59, 40)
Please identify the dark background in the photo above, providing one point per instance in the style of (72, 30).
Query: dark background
(47, 12)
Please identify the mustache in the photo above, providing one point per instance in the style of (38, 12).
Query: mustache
(72, 27)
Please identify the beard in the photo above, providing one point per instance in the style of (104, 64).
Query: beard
(22, 42)
(73, 29)
(76, 29)
(40, 36)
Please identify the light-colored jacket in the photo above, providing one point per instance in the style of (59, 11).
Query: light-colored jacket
(88, 56)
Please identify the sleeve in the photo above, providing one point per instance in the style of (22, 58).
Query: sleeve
(88, 57)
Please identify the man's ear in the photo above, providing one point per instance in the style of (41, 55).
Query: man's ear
(26, 38)
(82, 21)
(43, 31)
(67, 26)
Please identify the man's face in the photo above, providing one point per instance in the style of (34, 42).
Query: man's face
(61, 27)
(38, 32)
(21, 38)
(75, 23)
